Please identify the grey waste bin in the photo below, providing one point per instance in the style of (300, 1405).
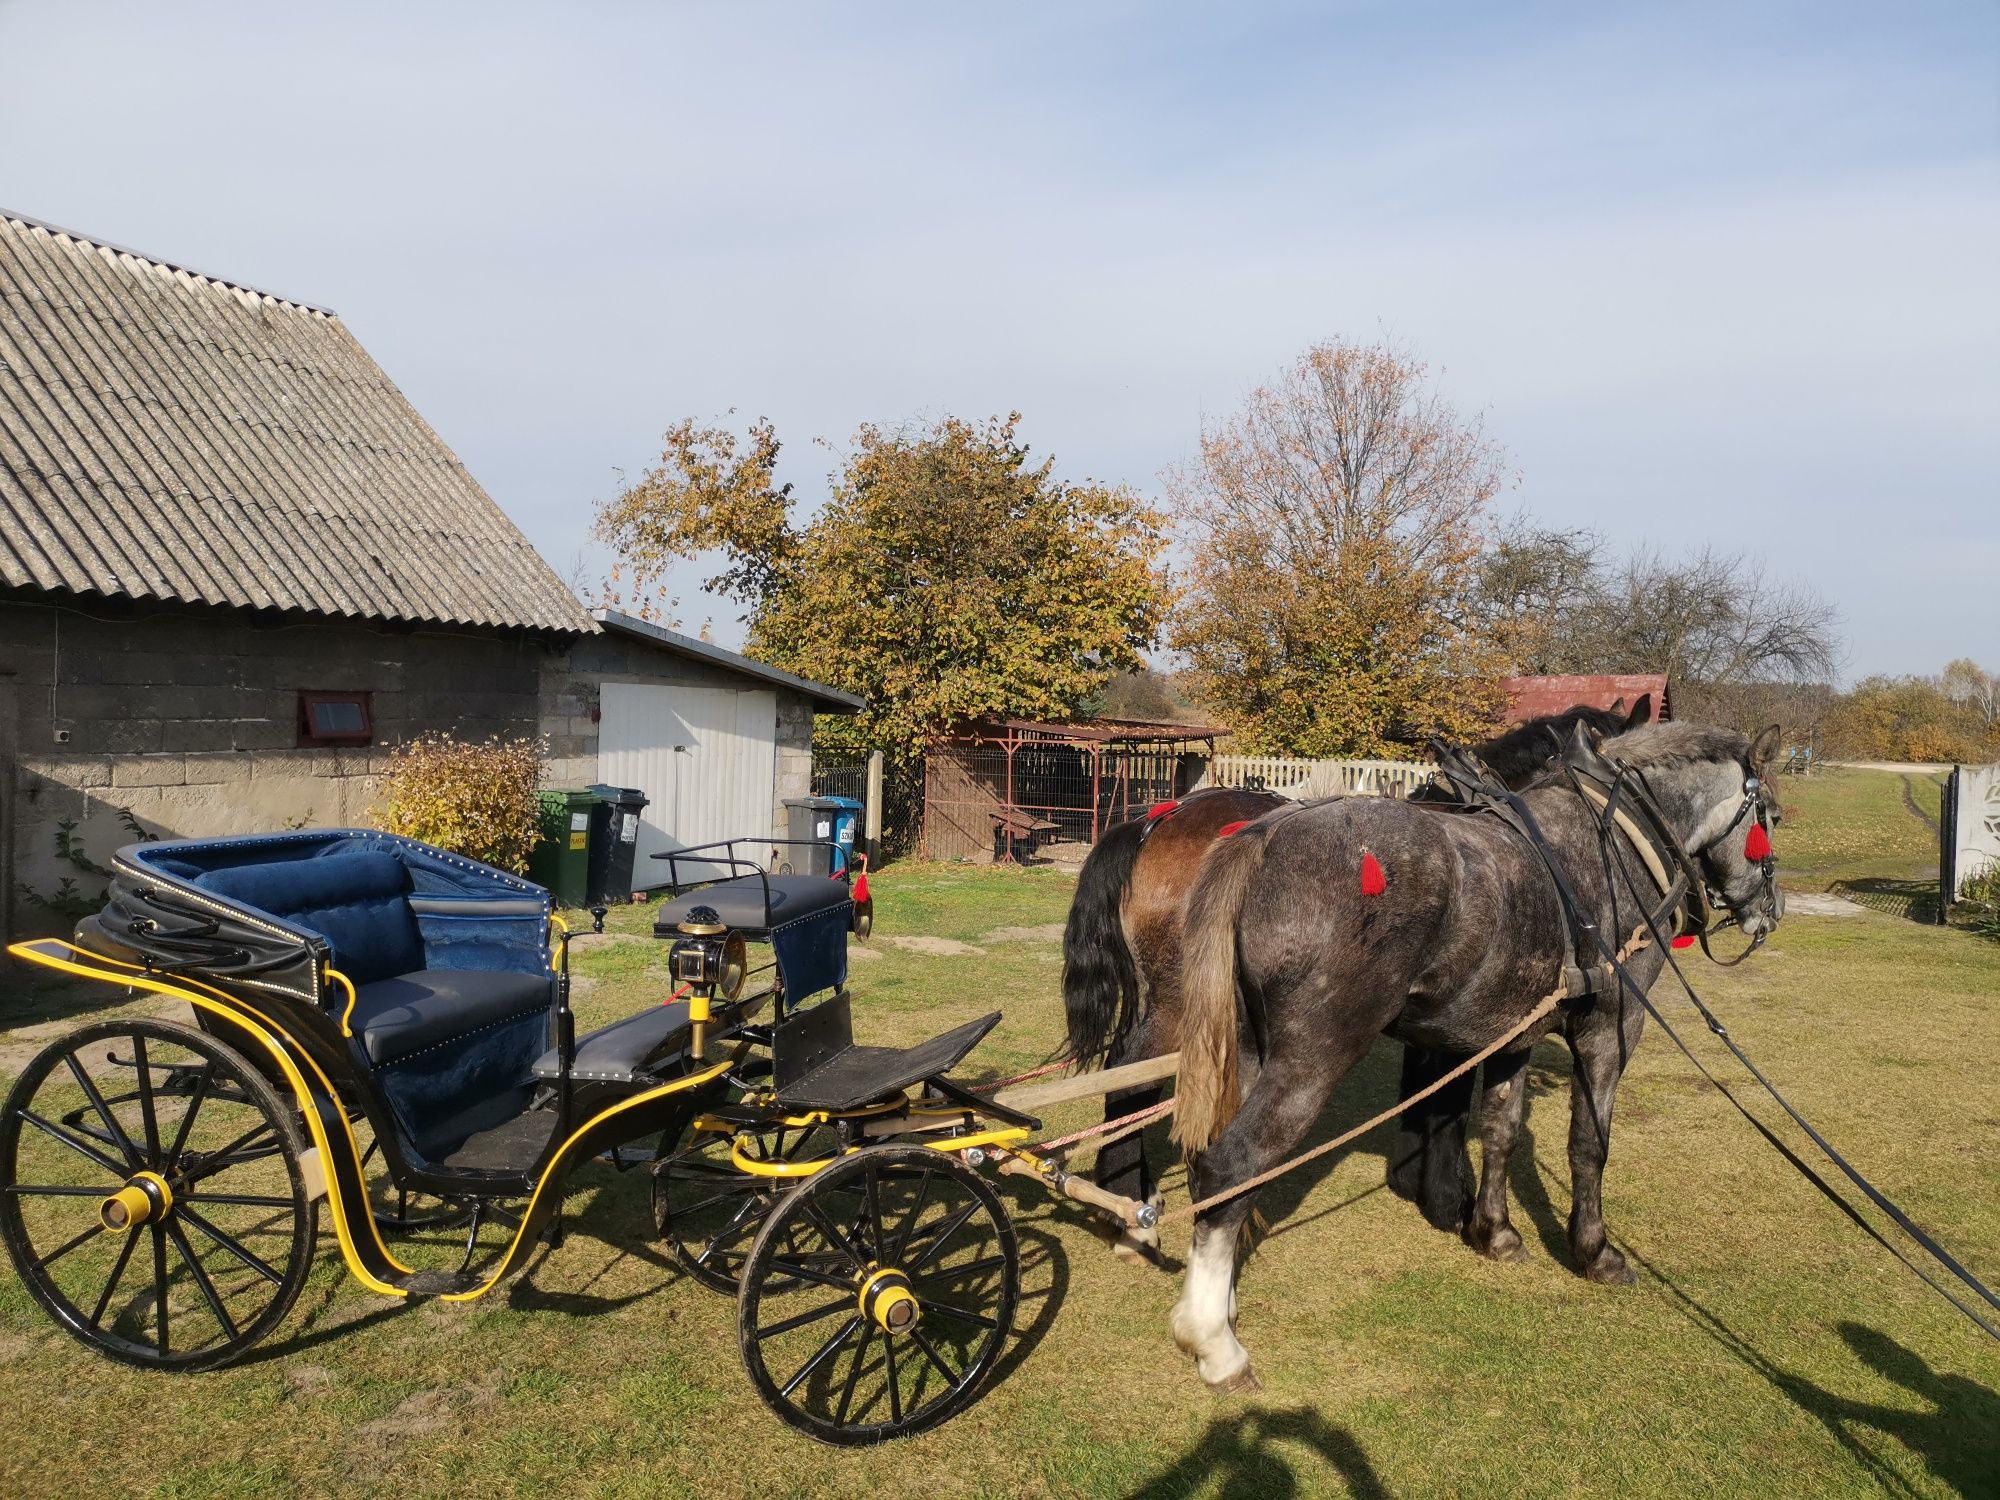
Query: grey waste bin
(814, 820)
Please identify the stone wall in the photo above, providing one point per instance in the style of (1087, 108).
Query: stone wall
(186, 721)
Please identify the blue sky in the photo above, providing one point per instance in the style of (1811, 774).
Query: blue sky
(1711, 275)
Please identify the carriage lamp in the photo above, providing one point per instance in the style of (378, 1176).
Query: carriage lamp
(707, 957)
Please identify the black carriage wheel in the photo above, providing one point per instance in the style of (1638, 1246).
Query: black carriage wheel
(878, 1295)
(708, 1209)
(152, 1194)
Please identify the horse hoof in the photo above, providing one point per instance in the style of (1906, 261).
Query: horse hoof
(1608, 1268)
(1243, 1383)
(1502, 1243)
(1137, 1252)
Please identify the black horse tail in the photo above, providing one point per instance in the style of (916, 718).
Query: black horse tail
(1100, 977)
(1427, 1161)
(1206, 1086)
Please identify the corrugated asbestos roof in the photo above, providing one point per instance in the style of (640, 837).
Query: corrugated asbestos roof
(828, 700)
(168, 435)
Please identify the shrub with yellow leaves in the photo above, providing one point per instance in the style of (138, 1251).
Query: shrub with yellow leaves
(479, 800)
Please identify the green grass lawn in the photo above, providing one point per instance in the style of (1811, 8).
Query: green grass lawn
(1846, 826)
(1768, 1348)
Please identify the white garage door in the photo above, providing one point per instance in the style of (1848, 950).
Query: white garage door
(706, 758)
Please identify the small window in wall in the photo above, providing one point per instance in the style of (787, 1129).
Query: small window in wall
(334, 719)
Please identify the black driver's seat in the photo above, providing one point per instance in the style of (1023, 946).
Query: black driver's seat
(755, 904)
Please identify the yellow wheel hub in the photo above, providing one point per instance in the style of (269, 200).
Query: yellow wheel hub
(145, 1197)
(888, 1299)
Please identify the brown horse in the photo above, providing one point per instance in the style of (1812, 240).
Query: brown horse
(1122, 957)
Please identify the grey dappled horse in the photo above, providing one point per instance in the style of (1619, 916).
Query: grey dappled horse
(1467, 936)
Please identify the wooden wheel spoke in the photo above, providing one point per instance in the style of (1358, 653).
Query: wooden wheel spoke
(236, 1153)
(28, 1190)
(117, 1271)
(940, 1236)
(833, 1235)
(56, 1132)
(148, 1114)
(853, 1376)
(799, 1320)
(241, 1200)
(910, 1219)
(820, 1355)
(118, 1135)
(878, 1238)
(954, 1273)
(719, 1240)
(160, 1284)
(68, 1245)
(253, 1261)
(964, 1315)
(202, 1083)
(208, 1292)
(895, 1380)
(936, 1359)
(804, 1272)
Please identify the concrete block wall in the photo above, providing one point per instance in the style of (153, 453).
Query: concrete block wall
(186, 719)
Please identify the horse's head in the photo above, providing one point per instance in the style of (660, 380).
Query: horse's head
(1709, 784)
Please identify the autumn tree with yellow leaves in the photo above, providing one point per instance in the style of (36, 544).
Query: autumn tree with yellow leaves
(947, 577)
(1337, 525)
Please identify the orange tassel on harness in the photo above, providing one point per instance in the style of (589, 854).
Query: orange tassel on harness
(1373, 881)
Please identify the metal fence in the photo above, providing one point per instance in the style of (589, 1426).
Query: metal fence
(1010, 800)
(842, 774)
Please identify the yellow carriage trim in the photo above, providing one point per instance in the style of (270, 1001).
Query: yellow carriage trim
(347, 1011)
(49, 952)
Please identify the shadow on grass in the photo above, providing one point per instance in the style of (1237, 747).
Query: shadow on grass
(1958, 1437)
(1244, 1455)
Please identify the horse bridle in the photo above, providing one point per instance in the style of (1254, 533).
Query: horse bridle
(1690, 893)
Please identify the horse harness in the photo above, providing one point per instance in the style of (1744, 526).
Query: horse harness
(1625, 808)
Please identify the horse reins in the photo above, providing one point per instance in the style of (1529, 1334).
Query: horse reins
(1754, 798)
(1688, 884)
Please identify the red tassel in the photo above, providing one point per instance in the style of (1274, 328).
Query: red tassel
(1685, 940)
(1757, 848)
(1161, 809)
(1228, 828)
(1373, 881)
(861, 888)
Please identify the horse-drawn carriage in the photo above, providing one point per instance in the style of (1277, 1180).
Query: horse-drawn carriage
(161, 1184)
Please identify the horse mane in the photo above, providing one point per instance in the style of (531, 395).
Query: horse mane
(1677, 744)
(1523, 750)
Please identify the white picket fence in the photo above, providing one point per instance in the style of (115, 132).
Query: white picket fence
(1303, 779)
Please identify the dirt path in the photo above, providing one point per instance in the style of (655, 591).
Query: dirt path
(1910, 801)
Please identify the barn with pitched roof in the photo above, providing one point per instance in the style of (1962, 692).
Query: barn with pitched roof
(236, 565)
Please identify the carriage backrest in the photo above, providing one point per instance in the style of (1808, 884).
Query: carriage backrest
(357, 899)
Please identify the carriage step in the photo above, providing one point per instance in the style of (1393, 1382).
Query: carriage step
(850, 1076)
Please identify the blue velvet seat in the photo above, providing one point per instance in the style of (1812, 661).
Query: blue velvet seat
(440, 1039)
